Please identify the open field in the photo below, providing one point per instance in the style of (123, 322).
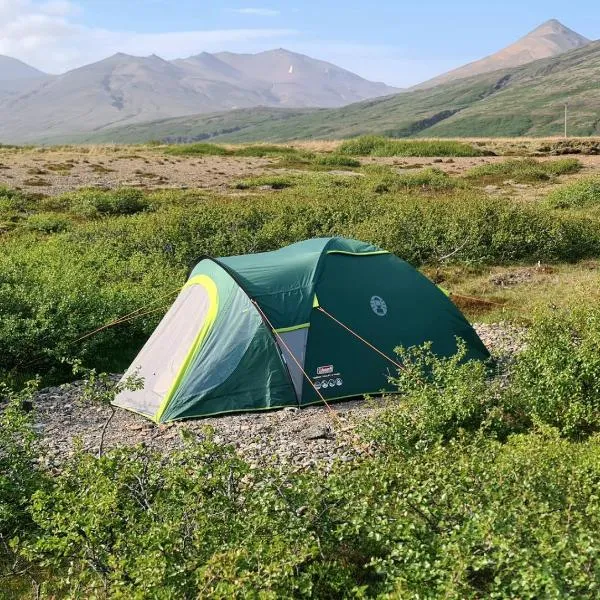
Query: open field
(471, 482)
(56, 170)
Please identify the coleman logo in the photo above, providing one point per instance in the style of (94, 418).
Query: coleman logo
(378, 306)
(325, 370)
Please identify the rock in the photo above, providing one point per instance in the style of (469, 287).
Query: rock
(318, 432)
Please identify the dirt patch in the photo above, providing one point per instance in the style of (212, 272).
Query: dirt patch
(53, 172)
(519, 276)
(59, 170)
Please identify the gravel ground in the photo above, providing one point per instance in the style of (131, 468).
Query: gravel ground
(54, 172)
(306, 438)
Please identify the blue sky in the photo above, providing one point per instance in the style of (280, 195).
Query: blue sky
(398, 42)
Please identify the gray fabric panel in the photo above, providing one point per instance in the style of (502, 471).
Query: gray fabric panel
(160, 360)
(223, 349)
(296, 342)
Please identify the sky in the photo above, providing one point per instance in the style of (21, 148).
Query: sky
(395, 41)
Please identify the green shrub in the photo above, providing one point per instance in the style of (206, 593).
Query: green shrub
(525, 170)
(198, 149)
(486, 230)
(47, 223)
(262, 150)
(276, 182)
(95, 203)
(335, 160)
(468, 519)
(14, 201)
(19, 479)
(557, 376)
(583, 193)
(372, 145)
(386, 180)
(438, 398)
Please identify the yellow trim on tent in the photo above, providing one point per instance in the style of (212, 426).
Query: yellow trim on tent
(209, 321)
(316, 302)
(357, 253)
(293, 328)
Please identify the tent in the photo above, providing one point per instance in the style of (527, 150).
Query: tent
(315, 321)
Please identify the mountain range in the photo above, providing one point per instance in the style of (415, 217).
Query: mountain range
(280, 95)
(124, 89)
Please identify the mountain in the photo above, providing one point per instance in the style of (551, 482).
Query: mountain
(16, 77)
(12, 69)
(124, 90)
(550, 39)
(526, 100)
(299, 81)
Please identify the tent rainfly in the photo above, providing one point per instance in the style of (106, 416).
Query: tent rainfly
(315, 321)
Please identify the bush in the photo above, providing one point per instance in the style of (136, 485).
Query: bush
(335, 160)
(523, 170)
(47, 223)
(198, 149)
(93, 203)
(557, 376)
(372, 145)
(19, 479)
(583, 193)
(263, 150)
(438, 398)
(14, 201)
(471, 518)
(276, 182)
(386, 180)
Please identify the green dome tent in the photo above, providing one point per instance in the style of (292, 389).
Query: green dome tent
(315, 321)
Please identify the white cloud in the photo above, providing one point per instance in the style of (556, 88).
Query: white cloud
(257, 12)
(46, 35)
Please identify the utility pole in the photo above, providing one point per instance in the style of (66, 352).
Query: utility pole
(566, 114)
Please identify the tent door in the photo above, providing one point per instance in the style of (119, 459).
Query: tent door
(164, 354)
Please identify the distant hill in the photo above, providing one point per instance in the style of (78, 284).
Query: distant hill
(12, 69)
(526, 100)
(124, 90)
(550, 39)
(16, 78)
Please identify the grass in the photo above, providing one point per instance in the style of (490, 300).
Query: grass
(527, 170)
(372, 145)
(199, 149)
(260, 151)
(517, 292)
(335, 160)
(384, 179)
(207, 149)
(275, 182)
(581, 194)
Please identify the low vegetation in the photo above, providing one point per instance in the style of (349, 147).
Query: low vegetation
(372, 145)
(528, 170)
(581, 194)
(471, 488)
(472, 481)
(207, 149)
(106, 253)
